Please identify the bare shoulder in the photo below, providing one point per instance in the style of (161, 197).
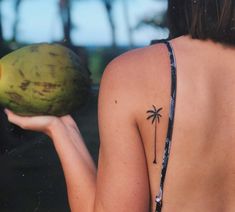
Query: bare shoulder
(135, 67)
(136, 77)
(135, 62)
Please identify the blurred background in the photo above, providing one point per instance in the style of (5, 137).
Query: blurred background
(31, 177)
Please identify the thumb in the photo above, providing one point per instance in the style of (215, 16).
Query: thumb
(15, 119)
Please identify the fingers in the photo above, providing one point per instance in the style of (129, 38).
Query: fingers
(38, 123)
(67, 118)
(68, 121)
(15, 119)
(7, 111)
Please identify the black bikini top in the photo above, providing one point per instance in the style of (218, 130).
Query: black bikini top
(170, 122)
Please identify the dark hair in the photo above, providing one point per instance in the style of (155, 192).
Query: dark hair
(203, 19)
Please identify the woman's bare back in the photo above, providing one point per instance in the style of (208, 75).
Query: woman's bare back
(201, 169)
(201, 165)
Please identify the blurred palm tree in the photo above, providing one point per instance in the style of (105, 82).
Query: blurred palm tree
(1, 30)
(109, 5)
(109, 9)
(65, 14)
(65, 7)
(16, 21)
(127, 21)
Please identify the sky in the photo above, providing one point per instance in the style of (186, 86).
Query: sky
(39, 21)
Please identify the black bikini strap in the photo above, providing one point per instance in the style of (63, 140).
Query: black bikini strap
(170, 125)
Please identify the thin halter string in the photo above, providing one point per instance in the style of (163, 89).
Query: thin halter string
(170, 126)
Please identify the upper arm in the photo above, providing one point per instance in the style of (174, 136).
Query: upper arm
(122, 178)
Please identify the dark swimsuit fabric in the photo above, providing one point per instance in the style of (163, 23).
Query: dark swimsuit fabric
(170, 123)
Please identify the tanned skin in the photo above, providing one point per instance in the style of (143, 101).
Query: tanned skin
(201, 169)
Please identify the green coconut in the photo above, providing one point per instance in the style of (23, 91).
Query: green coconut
(43, 79)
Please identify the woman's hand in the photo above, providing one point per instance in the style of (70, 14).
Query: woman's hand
(43, 124)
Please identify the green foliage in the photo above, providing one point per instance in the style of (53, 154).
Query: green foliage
(95, 64)
(99, 59)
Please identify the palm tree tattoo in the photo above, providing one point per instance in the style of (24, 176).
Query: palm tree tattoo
(155, 116)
